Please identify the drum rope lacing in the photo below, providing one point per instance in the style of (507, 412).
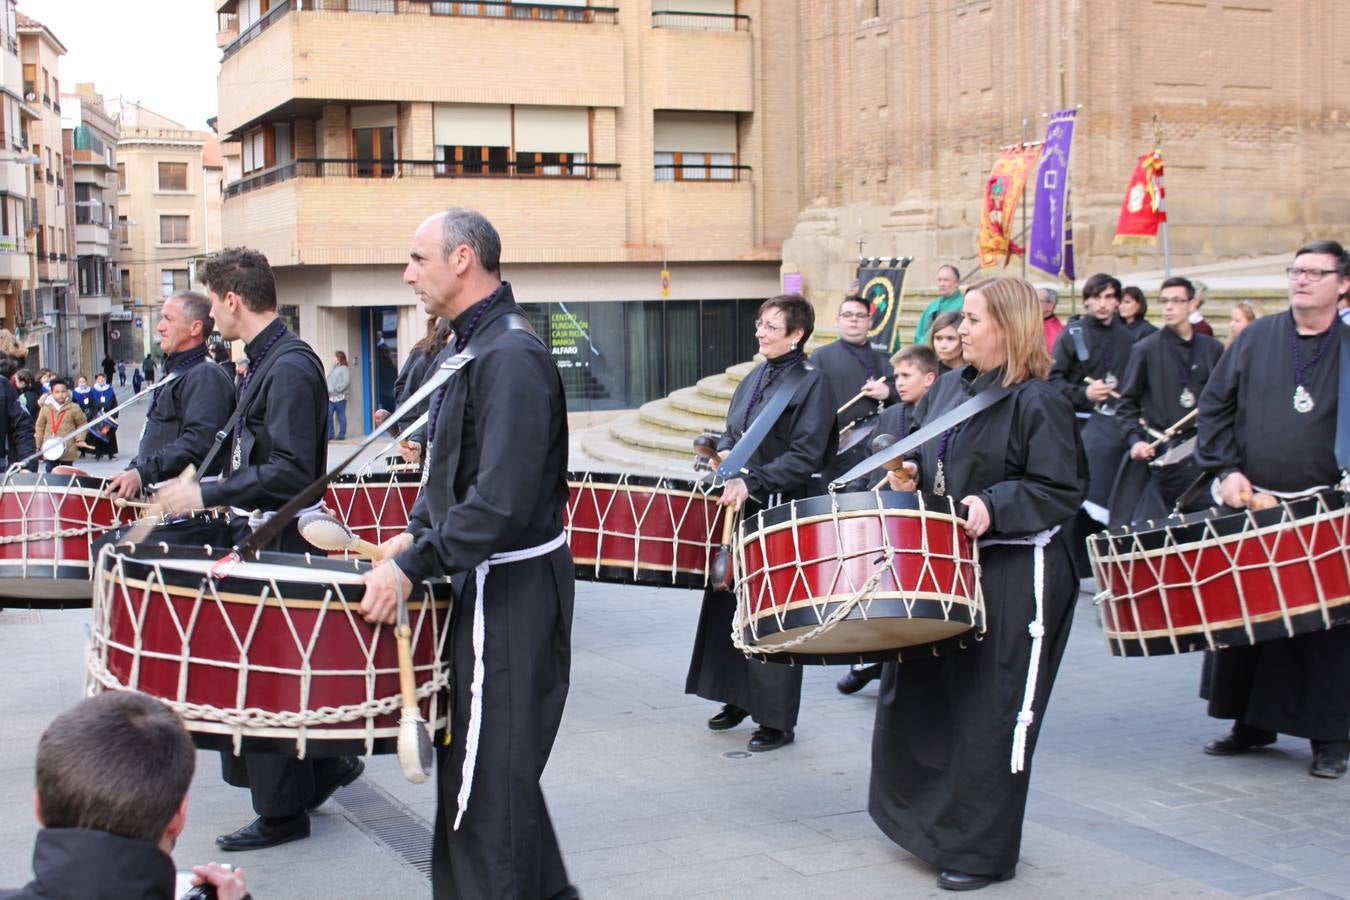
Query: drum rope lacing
(742, 621)
(241, 717)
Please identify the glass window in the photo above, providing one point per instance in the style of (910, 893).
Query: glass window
(172, 280)
(173, 176)
(121, 178)
(173, 229)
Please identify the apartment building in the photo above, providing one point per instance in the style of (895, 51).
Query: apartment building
(607, 143)
(91, 152)
(168, 198)
(43, 308)
(17, 259)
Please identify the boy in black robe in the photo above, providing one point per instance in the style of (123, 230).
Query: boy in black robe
(916, 369)
(490, 517)
(1168, 369)
(278, 445)
(785, 466)
(1268, 420)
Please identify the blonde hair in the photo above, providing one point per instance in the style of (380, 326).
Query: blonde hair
(1250, 309)
(1014, 306)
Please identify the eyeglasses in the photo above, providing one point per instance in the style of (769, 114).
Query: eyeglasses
(768, 326)
(858, 316)
(1297, 272)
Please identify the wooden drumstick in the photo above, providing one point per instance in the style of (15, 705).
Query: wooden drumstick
(1115, 395)
(706, 445)
(852, 400)
(123, 503)
(414, 742)
(142, 527)
(728, 526)
(1176, 426)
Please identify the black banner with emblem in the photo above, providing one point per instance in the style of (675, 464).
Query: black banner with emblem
(881, 283)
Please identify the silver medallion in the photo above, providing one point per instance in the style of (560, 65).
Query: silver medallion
(1111, 380)
(236, 455)
(940, 481)
(1187, 399)
(1303, 401)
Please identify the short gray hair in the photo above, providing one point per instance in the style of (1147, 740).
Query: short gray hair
(197, 308)
(1050, 294)
(471, 228)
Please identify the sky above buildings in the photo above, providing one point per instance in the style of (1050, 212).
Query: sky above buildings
(160, 53)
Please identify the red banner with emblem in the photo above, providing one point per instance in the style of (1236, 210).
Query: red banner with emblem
(1144, 208)
(1002, 193)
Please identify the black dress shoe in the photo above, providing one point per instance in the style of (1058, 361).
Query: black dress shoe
(263, 832)
(952, 880)
(855, 680)
(1233, 743)
(729, 717)
(1327, 764)
(766, 738)
(324, 788)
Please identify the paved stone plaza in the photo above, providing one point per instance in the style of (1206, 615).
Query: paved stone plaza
(648, 803)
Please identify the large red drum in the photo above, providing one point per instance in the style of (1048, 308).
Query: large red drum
(635, 529)
(47, 523)
(856, 577)
(1209, 580)
(375, 507)
(267, 655)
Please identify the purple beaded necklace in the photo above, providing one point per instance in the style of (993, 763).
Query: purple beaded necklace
(253, 365)
(1303, 401)
(767, 376)
(461, 341)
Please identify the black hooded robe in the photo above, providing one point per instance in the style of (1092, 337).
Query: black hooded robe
(786, 466)
(1294, 685)
(497, 481)
(941, 785)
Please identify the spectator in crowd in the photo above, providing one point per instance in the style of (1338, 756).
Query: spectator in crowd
(112, 783)
(339, 382)
(946, 342)
(1133, 313)
(1053, 324)
(949, 300)
(1243, 313)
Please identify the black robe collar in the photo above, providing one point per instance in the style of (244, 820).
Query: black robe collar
(96, 865)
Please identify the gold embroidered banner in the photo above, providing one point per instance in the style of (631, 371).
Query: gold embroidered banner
(1002, 193)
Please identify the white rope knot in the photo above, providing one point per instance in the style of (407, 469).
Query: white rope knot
(1036, 629)
(1026, 717)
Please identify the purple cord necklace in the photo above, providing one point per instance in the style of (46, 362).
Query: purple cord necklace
(461, 341)
(767, 376)
(940, 477)
(237, 456)
(1303, 401)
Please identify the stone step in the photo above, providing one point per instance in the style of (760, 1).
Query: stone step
(738, 372)
(665, 416)
(716, 387)
(630, 429)
(692, 401)
(602, 452)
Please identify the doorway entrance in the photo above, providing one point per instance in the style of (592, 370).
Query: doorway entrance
(379, 336)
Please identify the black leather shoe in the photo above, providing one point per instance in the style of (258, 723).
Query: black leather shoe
(951, 880)
(766, 738)
(855, 680)
(262, 833)
(323, 789)
(1326, 764)
(1232, 744)
(729, 717)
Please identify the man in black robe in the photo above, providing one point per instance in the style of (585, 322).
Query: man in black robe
(850, 365)
(1268, 424)
(1168, 369)
(279, 444)
(183, 418)
(1088, 362)
(785, 466)
(490, 517)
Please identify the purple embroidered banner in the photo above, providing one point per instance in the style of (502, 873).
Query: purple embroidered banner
(1050, 223)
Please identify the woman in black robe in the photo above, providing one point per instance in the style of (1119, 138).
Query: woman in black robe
(786, 466)
(951, 750)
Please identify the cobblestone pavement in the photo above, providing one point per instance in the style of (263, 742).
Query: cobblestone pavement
(649, 804)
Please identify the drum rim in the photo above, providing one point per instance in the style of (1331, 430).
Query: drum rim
(391, 479)
(580, 478)
(31, 481)
(853, 504)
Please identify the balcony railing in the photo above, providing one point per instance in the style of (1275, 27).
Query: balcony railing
(668, 173)
(416, 168)
(701, 21)
(502, 9)
(255, 28)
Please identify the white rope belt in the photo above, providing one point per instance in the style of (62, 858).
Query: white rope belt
(1036, 629)
(479, 639)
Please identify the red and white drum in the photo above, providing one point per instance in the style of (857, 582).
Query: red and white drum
(47, 523)
(1206, 580)
(268, 655)
(855, 577)
(636, 529)
(375, 507)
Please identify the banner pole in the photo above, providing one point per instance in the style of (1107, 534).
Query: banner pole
(1162, 205)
